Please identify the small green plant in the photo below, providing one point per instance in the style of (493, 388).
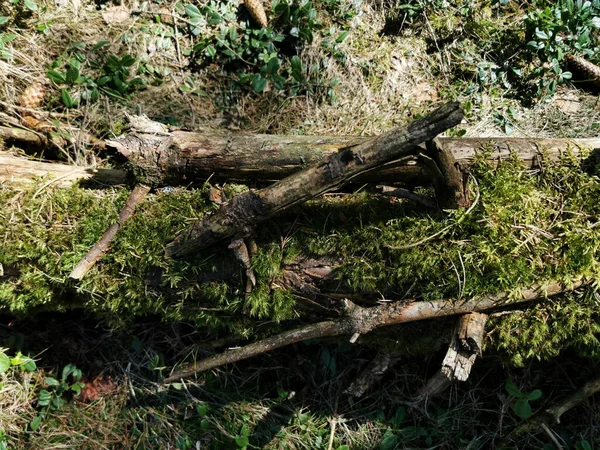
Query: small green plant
(260, 57)
(52, 398)
(19, 361)
(521, 407)
(84, 73)
(560, 28)
(5, 38)
(242, 440)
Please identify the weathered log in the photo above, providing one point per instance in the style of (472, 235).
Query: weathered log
(359, 320)
(179, 157)
(465, 346)
(245, 211)
(21, 170)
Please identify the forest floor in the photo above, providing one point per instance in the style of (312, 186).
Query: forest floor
(345, 67)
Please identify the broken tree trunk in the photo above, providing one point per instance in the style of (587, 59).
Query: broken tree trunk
(358, 320)
(245, 211)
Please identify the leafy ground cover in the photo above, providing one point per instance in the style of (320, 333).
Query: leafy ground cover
(84, 372)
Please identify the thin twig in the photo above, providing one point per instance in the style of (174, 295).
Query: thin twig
(101, 247)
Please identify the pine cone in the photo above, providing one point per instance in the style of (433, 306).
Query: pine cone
(584, 70)
(33, 96)
(257, 11)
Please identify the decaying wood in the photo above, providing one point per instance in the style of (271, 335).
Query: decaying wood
(21, 170)
(245, 211)
(360, 320)
(372, 374)
(465, 346)
(449, 180)
(179, 157)
(101, 247)
(21, 137)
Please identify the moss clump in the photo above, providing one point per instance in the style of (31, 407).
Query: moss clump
(526, 229)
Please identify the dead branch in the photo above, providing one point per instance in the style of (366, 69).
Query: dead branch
(21, 170)
(245, 211)
(101, 247)
(465, 346)
(358, 320)
(372, 374)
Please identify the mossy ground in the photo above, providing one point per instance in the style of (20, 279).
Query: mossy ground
(137, 314)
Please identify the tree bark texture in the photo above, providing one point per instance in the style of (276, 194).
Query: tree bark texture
(181, 157)
(245, 211)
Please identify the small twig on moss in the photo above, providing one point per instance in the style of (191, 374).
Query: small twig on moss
(357, 319)
(101, 247)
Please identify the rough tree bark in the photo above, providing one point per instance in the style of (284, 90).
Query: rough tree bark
(245, 211)
(186, 156)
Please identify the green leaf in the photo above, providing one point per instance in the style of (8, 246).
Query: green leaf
(127, 61)
(29, 4)
(44, 397)
(68, 101)
(4, 362)
(56, 77)
(72, 75)
(343, 447)
(522, 408)
(242, 441)
(4, 19)
(77, 387)
(390, 441)
(341, 37)
(36, 422)
(583, 445)
(273, 66)
(202, 409)
(52, 381)
(192, 11)
(98, 45)
(534, 395)
(30, 365)
(540, 34)
(513, 390)
(258, 84)
(297, 71)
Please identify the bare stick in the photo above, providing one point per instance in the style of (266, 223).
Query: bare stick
(245, 211)
(101, 247)
(363, 320)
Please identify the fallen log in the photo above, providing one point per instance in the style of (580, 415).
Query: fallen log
(181, 157)
(245, 211)
(18, 170)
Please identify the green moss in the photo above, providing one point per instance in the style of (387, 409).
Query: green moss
(525, 230)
